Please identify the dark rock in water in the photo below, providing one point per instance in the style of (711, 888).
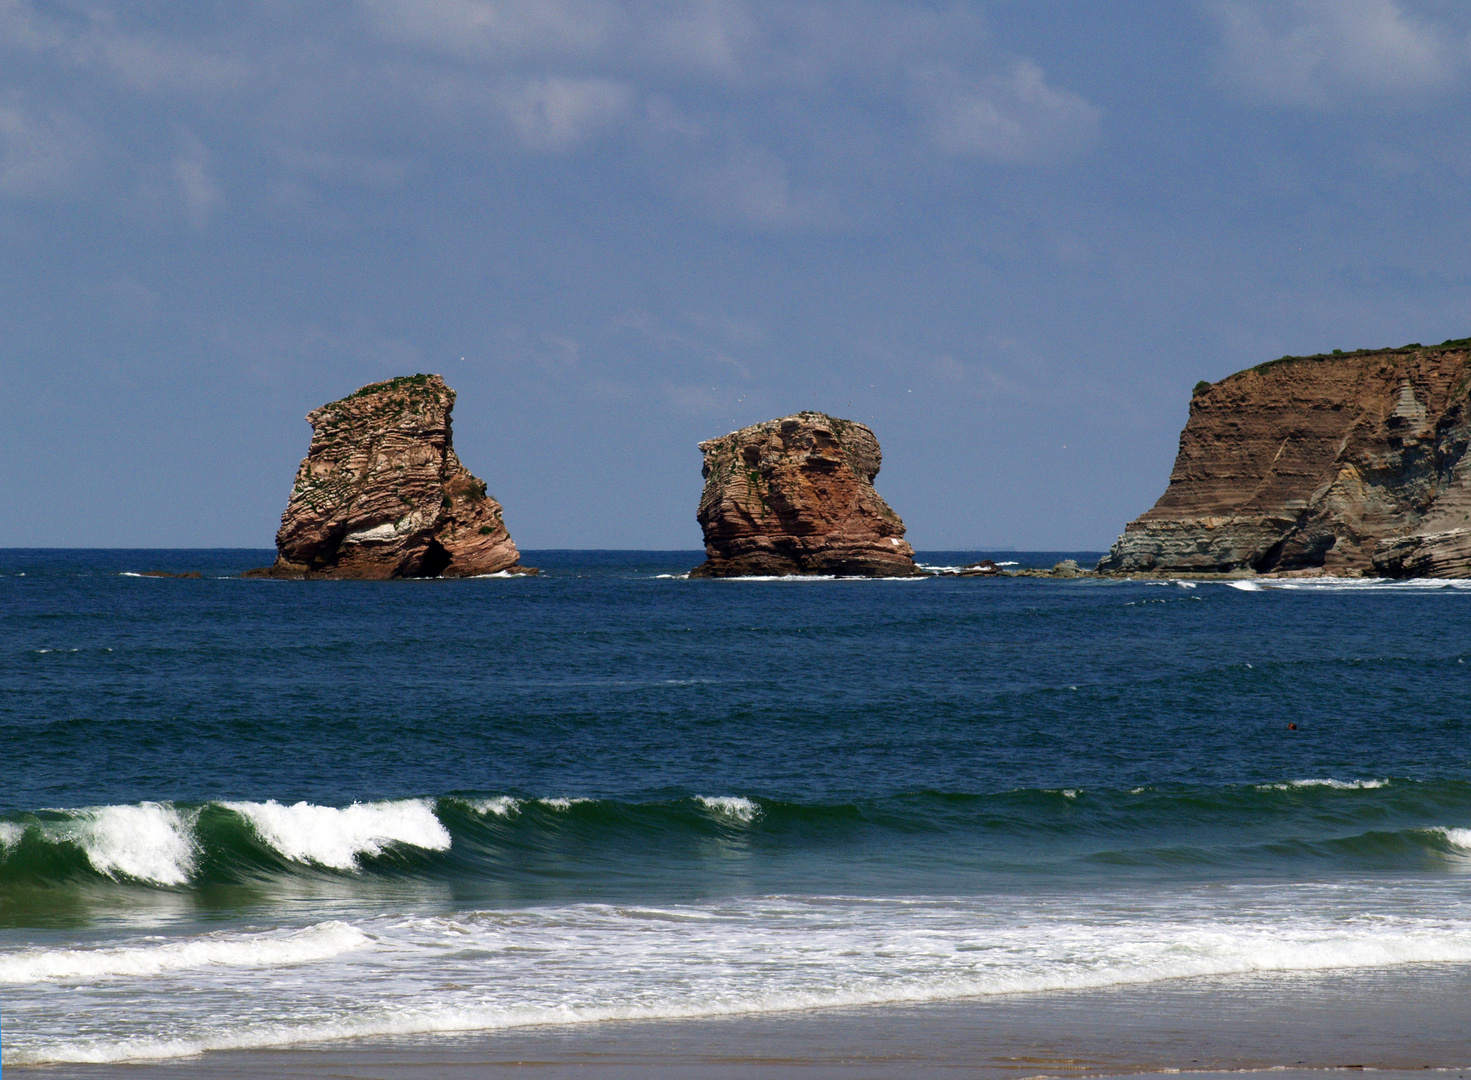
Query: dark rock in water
(984, 568)
(381, 494)
(795, 496)
(166, 573)
(1346, 464)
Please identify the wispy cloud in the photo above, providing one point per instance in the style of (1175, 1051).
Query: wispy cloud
(199, 192)
(557, 113)
(1013, 116)
(765, 114)
(41, 148)
(1316, 53)
(498, 29)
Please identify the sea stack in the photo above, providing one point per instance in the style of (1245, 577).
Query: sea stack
(1342, 463)
(795, 496)
(381, 494)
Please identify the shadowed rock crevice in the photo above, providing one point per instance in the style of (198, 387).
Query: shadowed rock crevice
(381, 493)
(795, 496)
(1347, 464)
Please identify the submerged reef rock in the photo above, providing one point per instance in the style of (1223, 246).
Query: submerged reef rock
(795, 496)
(1347, 463)
(381, 494)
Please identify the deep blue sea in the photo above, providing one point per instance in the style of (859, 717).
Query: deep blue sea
(244, 813)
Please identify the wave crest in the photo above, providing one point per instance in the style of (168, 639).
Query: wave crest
(338, 838)
(734, 806)
(149, 841)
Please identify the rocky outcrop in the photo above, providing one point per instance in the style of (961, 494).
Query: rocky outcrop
(1348, 463)
(795, 496)
(381, 494)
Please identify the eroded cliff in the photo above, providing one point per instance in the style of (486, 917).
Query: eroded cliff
(381, 494)
(1349, 463)
(796, 496)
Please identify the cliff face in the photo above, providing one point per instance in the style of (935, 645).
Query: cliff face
(381, 494)
(795, 496)
(1352, 463)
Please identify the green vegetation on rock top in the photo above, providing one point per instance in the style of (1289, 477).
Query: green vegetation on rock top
(1338, 354)
(401, 382)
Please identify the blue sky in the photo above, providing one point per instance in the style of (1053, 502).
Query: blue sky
(1009, 236)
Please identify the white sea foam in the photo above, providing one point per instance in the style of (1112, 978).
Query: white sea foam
(1338, 584)
(1458, 838)
(275, 949)
(10, 835)
(500, 806)
(560, 804)
(590, 962)
(1341, 785)
(730, 806)
(329, 836)
(937, 568)
(149, 841)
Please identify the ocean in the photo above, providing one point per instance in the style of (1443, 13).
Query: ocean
(248, 815)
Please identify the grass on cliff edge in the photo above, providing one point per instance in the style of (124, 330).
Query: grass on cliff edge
(389, 384)
(1449, 343)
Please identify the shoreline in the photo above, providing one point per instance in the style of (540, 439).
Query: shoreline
(1410, 1018)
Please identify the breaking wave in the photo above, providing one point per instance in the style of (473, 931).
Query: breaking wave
(339, 838)
(1350, 822)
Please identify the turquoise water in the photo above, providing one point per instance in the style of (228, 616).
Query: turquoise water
(252, 813)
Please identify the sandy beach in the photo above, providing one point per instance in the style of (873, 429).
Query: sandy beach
(1411, 1019)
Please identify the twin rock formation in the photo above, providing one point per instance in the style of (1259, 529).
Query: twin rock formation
(381, 494)
(1350, 464)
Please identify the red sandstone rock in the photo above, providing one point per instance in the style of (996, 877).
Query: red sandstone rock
(795, 496)
(1348, 464)
(381, 493)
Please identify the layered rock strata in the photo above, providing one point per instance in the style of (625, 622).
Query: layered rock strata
(381, 494)
(796, 496)
(1349, 463)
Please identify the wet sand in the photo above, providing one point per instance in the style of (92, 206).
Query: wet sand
(1407, 1019)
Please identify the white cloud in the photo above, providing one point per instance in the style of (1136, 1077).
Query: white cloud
(156, 65)
(556, 113)
(20, 27)
(95, 37)
(773, 113)
(497, 28)
(40, 149)
(1314, 52)
(360, 170)
(197, 188)
(737, 181)
(1014, 116)
(713, 35)
(700, 35)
